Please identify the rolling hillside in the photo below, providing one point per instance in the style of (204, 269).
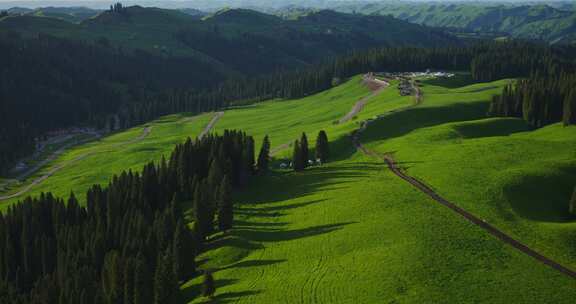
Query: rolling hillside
(351, 231)
(539, 22)
(228, 35)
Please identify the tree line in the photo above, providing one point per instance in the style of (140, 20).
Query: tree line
(131, 242)
(301, 153)
(539, 100)
(94, 84)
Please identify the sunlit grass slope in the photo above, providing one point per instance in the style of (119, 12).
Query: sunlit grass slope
(285, 120)
(112, 154)
(516, 178)
(351, 232)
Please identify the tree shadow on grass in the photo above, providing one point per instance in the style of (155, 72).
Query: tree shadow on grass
(244, 224)
(543, 198)
(194, 291)
(399, 123)
(272, 209)
(280, 235)
(252, 263)
(230, 297)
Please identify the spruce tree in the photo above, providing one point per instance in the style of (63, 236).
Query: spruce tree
(250, 153)
(572, 206)
(569, 111)
(142, 282)
(208, 285)
(264, 156)
(165, 282)
(297, 157)
(322, 149)
(304, 150)
(225, 207)
(112, 278)
(203, 216)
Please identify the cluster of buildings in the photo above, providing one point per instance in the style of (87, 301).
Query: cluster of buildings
(427, 73)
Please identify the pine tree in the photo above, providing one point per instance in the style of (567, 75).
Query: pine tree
(203, 215)
(304, 150)
(165, 282)
(208, 285)
(264, 156)
(569, 115)
(322, 149)
(112, 278)
(142, 283)
(225, 207)
(297, 157)
(572, 207)
(250, 153)
(129, 282)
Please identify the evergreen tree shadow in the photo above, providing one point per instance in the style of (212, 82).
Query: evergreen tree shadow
(280, 235)
(230, 297)
(195, 291)
(399, 123)
(284, 186)
(252, 263)
(543, 198)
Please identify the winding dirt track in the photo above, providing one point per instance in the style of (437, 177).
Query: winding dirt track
(59, 167)
(279, 148)
(393, 166)
(48, 159)
(211, 124)
(373, 84)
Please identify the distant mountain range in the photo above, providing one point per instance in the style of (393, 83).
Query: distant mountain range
(233, 40)
(540, 22)
(553, 22)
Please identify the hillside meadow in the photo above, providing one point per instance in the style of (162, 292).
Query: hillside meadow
(352, 232)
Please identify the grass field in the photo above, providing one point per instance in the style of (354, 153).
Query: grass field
(352, 232)
(113, 154)
(518, 179)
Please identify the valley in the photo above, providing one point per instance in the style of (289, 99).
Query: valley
(287, 151)
(306, 236)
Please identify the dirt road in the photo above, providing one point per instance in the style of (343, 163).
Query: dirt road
(211, 124)
(279, 148)
(375, 85)
(393, 166)
(145, 132)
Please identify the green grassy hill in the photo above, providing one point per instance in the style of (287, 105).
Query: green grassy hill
(352, 232)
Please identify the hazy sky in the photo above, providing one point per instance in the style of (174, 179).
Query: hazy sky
(210, 3)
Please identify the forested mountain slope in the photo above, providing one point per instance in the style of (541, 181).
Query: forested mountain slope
(130, 64)
(541, 22)
(229, 34)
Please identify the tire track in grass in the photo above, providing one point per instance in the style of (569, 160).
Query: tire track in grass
(424, 188)
(145, 132)
(316, 282)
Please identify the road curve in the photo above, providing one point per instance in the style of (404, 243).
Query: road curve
(145, 132)
(375, 85)
(393, 166)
